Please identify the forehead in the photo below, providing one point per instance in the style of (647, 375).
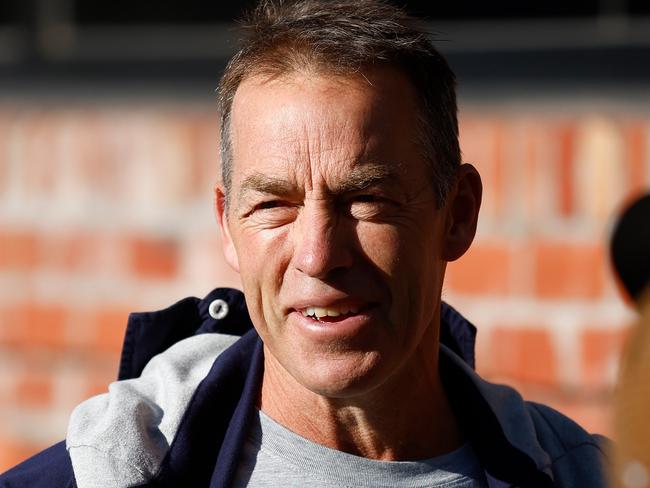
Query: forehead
(300, 121)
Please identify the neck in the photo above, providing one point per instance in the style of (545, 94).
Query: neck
(406, 418)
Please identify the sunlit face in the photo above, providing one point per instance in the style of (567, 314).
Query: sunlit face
(333, 227)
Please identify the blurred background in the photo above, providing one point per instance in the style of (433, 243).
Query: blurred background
(109, 152)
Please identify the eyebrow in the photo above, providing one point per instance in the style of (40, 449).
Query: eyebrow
(261, 183)
(364, 177)
(358, 179)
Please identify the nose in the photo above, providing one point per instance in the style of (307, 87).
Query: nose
(322, 242)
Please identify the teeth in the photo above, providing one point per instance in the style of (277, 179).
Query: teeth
(309, 311)
(319, 312)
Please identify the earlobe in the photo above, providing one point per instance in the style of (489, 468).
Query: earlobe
(463, 204)
(229, 250)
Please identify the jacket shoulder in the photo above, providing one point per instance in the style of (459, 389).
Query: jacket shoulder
(577, 457)
(50, 468)
(126, 434)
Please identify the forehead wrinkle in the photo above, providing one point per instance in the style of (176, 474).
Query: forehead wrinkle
(336, 157)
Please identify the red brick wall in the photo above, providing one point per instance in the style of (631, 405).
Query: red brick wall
(107, 208)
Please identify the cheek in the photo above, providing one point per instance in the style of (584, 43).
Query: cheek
(382, 245)
(257, 251)
(403, 254)
(262, 265)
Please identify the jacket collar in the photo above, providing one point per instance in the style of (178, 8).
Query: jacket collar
(150, 333)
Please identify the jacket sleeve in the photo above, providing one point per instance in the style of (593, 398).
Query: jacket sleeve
(50, 468)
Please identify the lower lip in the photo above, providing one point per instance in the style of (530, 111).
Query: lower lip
(334, 327)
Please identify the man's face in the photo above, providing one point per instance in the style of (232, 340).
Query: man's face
(333, 227)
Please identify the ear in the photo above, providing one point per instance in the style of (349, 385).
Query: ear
(227, 243)
(462, 207)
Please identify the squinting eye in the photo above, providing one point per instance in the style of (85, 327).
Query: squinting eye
(264, 208)
(274, 210)
(367, 198)
(269, 204)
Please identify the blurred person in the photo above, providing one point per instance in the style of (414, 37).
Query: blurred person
(631, 258)
(342, 199)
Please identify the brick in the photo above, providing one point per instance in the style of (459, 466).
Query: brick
(68, 251)
(152, 258)
(527, 190)
(175, 158)
(600, 353)
(566, 140)
(482, 141)
(540, 172)
(19, 250)
(158, 169)
(8, 368)
(636, 157)
(497, 183)
(40, 148)
(204, 152)
(484, 269)
(536, 173)
(523, 354)
(203, 262)
(93, 157)
(33, 389)
(113, 155)
(600, 179)
(32, 325)
(569, 270)
(110, 326)
(77, 252)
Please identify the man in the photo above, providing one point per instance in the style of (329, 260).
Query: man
(342, 199)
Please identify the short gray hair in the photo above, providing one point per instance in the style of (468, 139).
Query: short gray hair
(341, 38)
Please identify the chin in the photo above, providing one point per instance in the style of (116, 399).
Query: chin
(341, 377)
